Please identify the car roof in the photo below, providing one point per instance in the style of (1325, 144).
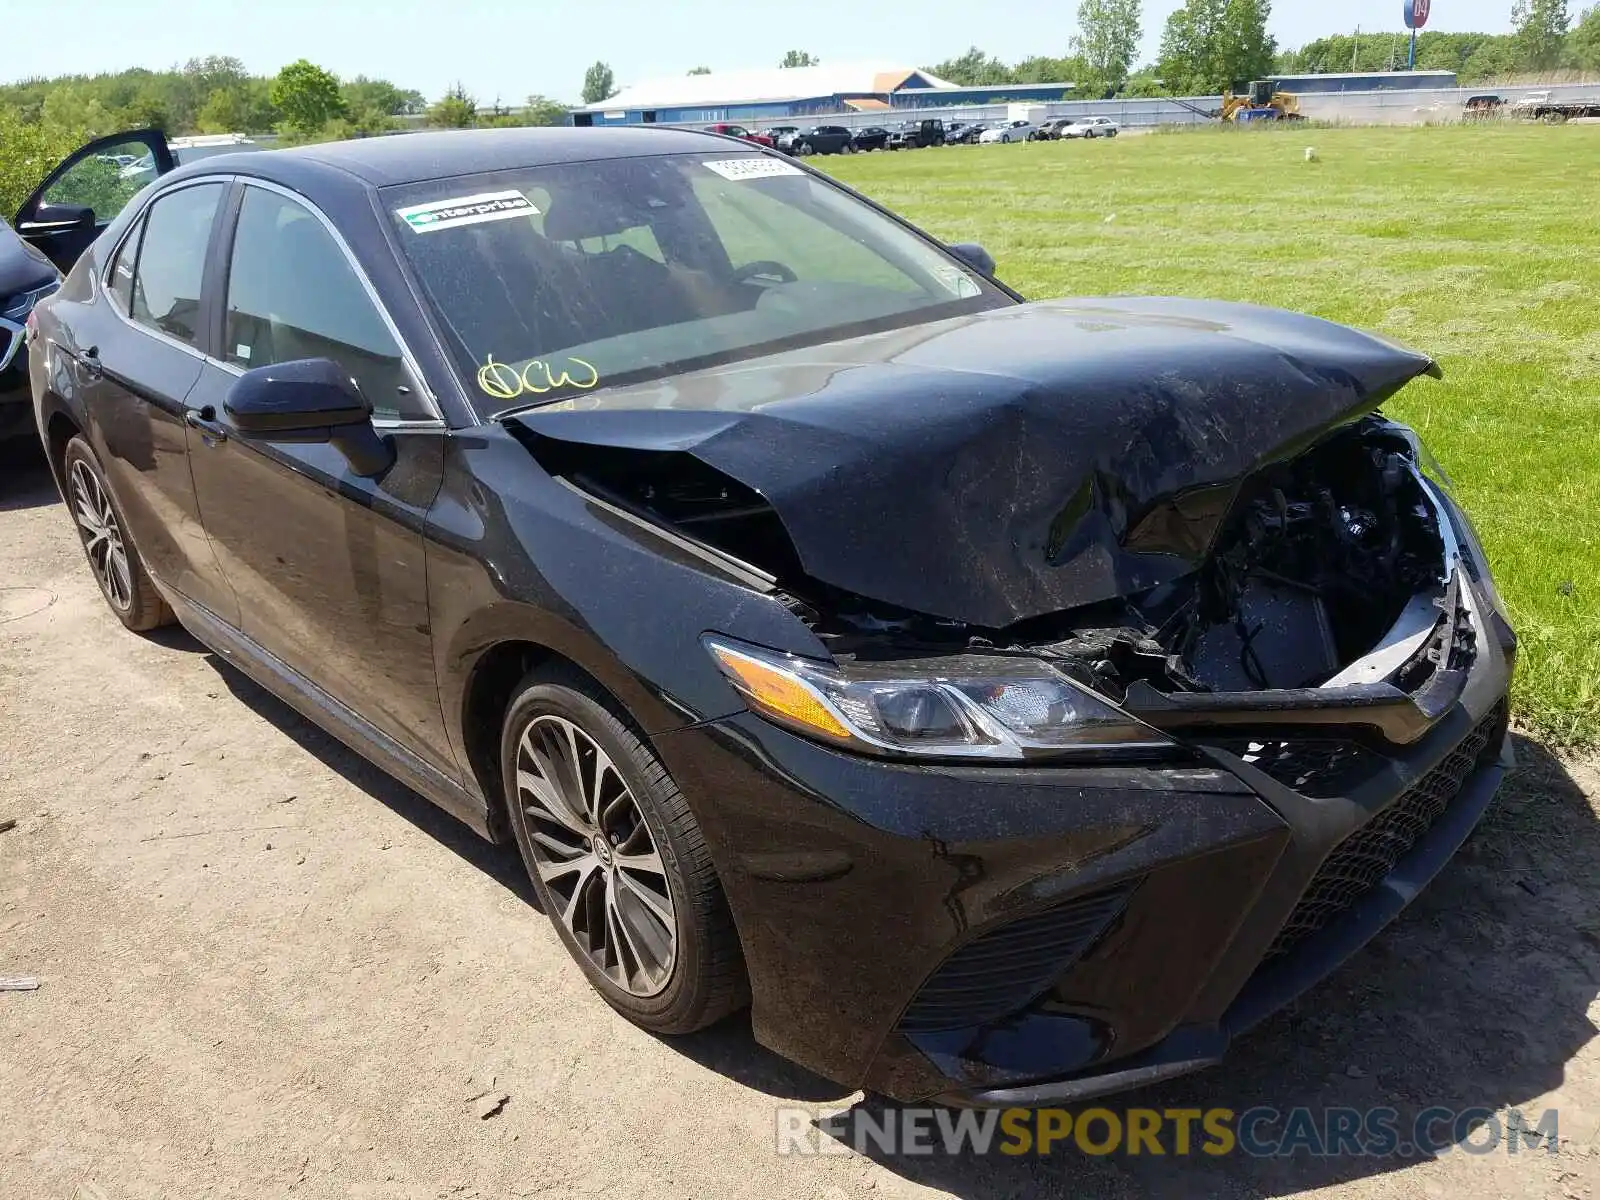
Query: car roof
(410, 157)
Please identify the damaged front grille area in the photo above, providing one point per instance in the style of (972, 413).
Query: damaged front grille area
(1314, 767)
(1365, 857)
(1320, 557)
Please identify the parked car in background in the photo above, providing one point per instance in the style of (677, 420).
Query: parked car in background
(873, 137)
(1478, 108)
(912, 135)
(1010, 131)
(739, 131)
(778, 132)
(1090, 127)
(970, 134)
(1050, 130)
(819, 139)
(26, 277)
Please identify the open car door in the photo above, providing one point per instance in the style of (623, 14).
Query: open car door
(88, 189)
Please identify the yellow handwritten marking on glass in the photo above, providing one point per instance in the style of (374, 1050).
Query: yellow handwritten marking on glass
(505, 382)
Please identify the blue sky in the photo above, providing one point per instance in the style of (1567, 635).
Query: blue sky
(506, 49)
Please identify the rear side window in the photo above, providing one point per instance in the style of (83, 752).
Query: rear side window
(165, 290)
(121, 278)
(292, 294)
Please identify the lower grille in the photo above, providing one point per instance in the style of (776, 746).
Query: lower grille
(1001, 972)
(1360, 862)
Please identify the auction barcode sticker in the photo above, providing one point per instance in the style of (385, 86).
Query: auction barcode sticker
(752, 168)
(467, 210)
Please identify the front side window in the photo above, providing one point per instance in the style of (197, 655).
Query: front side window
(292, 294)
(553, 280)
(165, 291)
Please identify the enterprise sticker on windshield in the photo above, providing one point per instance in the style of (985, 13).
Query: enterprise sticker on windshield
(467, 210)
(752, 168)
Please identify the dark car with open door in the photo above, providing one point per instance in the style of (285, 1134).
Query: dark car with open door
(68, 210)
(1010, 701)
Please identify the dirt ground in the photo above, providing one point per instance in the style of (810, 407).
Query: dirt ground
(269, 970)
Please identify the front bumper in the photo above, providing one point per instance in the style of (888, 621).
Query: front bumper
(1020, 935)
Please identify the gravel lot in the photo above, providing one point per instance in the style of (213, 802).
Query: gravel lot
(269, 970)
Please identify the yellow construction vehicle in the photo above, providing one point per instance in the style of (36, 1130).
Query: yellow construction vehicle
(1261, 103)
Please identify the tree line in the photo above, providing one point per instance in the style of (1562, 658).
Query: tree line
(1208, 46)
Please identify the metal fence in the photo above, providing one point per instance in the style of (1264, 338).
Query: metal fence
(1388, 107)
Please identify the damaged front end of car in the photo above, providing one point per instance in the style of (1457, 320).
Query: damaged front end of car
(1341, 588)
(1139, 698)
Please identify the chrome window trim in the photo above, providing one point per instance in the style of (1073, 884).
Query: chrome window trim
(430, 401)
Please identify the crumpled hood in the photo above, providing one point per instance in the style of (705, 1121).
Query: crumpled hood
(1017, 462)
(22, 268)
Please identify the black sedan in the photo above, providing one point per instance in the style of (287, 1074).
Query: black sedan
(873, 137)
(1010, 701)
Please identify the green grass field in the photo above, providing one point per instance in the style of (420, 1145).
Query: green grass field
(1480, 246)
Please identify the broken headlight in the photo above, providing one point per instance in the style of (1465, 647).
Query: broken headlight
(971, 706)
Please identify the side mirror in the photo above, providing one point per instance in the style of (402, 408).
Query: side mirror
(309, 400)
(975, 256)
(51, 218)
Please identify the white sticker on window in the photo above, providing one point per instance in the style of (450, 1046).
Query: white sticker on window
(242, 351)
(467, 210)
(752, 168)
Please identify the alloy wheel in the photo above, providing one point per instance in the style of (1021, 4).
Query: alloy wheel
(102, 536)
(596, 856)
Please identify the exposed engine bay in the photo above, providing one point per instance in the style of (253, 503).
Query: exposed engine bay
(1317, 558)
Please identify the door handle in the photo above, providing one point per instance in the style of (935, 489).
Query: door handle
(89, 359)
(205, 420)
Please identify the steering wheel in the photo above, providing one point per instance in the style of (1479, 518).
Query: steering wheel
(764, 266)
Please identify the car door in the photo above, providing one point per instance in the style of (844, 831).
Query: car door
(328, 566)
(86, 192)
(134, 352)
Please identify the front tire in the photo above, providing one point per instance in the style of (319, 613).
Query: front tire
(617, 859)
(113, 558)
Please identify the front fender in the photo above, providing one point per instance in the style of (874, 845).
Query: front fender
(517, 556)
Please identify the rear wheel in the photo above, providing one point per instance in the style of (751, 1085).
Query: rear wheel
(806, 148)
(113, 558)
(617, 859)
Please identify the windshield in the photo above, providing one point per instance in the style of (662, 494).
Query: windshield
(553, 280)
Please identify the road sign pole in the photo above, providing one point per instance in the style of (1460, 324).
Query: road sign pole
(1411, 63)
